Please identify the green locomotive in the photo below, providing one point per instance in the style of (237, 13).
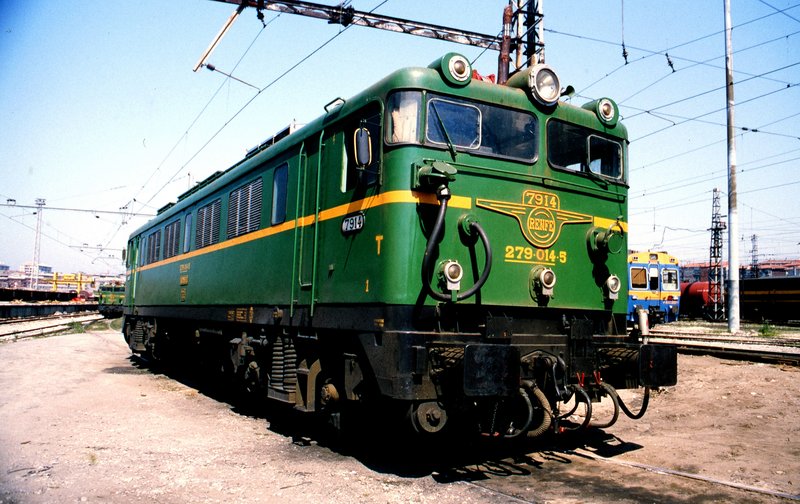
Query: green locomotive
(111, 300)
(447, 245)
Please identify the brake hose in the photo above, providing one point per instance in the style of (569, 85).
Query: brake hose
(443, 195)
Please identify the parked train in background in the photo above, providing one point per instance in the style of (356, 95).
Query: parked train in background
(447, 246)
(766, 299)
(654, 286)
(111, 300)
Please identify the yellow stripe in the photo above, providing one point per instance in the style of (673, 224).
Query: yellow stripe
(650, 296)
(377, 200)
(607, 223)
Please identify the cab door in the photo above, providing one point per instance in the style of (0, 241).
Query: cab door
(132, 273)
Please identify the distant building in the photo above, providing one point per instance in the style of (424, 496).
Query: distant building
(4, 270)
(27, 268)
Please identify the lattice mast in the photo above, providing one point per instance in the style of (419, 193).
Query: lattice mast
(37, 245)
(527, 43)
(754, 256)
(715, 309)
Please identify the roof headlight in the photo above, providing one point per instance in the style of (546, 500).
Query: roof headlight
(544, 84)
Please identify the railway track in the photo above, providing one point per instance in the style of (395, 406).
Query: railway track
(29, 327)
(768, 349)
(511, 484)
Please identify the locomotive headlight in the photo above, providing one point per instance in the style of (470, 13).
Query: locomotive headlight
(451, 273)
(613, 284)
(545, 85)
(541, 81)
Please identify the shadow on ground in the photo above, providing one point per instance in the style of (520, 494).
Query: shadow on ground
(388, 446)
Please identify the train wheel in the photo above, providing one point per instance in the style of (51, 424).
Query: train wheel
(428, 417)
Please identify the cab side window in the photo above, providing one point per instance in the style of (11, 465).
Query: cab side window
(364, 128)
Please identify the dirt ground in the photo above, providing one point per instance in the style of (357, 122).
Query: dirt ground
(80, 421)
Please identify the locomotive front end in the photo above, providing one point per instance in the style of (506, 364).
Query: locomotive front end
(521, 233)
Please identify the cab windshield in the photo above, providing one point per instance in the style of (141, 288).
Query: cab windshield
(463, 125)
(580, 149)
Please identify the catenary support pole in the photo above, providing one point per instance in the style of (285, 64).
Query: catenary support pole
(733, 214)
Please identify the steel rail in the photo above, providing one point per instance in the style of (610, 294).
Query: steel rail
(683, 474)
(20, 320)
(45, 330)
(734, 349)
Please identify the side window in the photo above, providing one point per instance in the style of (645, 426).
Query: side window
(244, 209)
(172, 234)
(207, 232)
(669, 279)
(142, 250)
(280, 183)
(128, 255)
(638, 278)
(367, 123)
(403, 117)
(187, 233)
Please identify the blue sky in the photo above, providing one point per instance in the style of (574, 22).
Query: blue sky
(100, 109)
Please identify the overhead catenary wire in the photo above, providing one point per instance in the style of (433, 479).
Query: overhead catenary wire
(758, 129)
(180, 139)
(202, 110)
(700, 116)
(250, 101)
(651, 53)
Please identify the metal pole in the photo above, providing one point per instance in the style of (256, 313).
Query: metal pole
(733, 214)
(222, 32)
(520, 30)
(540, 31)
(40, 202)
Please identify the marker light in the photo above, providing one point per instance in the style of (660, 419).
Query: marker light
(455, 69)
(459, 68)
(613, 284)
(605, 109)
(452, 273)
(542, 280)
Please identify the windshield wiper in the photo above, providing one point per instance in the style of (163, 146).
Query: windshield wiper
(450, 145)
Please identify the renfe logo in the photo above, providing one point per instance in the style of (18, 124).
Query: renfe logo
(539, 215)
